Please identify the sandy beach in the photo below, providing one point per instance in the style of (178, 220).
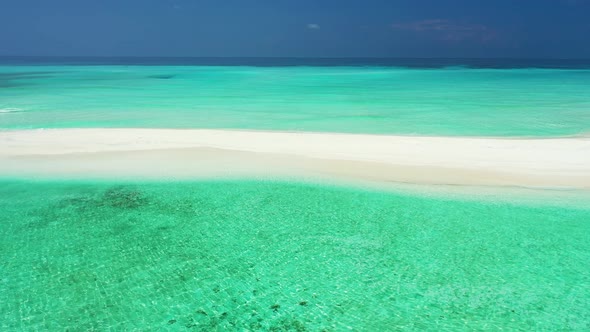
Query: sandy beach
(172, 153)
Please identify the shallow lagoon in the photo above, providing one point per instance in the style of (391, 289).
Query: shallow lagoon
(453, 101)
(276, 255)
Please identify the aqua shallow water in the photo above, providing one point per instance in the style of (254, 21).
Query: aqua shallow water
(384, 100)
(283, 256)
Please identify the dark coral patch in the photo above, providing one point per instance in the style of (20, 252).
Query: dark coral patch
(162, 77)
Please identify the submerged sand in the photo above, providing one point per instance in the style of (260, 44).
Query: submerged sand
(198, 153)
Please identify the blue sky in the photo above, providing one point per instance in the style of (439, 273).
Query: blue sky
(297, 28)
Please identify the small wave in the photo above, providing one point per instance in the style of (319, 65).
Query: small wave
(10, 110)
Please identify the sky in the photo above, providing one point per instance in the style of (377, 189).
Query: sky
(296, 28)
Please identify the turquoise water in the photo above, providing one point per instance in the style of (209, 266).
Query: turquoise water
(283, 256)
(393, 100)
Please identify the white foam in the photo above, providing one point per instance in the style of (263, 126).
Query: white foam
(10, 110)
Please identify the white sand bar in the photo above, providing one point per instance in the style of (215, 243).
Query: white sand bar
(178, 153)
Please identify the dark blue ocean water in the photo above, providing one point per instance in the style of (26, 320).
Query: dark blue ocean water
(505, 63)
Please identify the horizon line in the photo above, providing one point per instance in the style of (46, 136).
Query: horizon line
(289, 57)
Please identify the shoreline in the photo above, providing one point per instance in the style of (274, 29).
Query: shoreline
(562, 163)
